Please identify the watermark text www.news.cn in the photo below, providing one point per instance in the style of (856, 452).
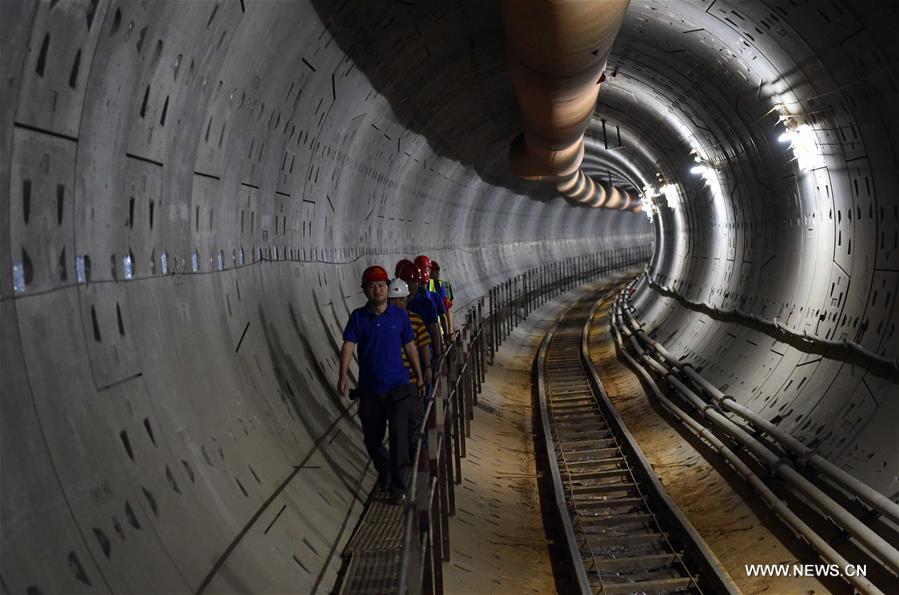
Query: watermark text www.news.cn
(812, 570)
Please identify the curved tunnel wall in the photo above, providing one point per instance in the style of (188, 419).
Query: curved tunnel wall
(814, 246)
(191, 191)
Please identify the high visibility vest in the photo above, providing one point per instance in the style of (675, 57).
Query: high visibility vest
(445, 288)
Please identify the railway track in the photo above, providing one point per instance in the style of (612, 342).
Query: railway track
(624, 533)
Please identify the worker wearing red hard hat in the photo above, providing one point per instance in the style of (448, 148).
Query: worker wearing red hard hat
(382, 333)
(399, 266)
(424, 265)
(421, 304)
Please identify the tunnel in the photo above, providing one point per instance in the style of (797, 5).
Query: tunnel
(191, 191)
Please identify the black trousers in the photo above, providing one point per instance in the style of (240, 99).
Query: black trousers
(376, 412)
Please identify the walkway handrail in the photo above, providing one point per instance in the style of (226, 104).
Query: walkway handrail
(449, 407)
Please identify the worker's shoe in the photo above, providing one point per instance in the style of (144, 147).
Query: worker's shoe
(397, 497)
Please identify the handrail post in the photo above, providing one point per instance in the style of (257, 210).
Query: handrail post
(499, 316)
(517, 285)
(491, 322)
(505, 306)
(526, 296)
(452, 432)
(432, 503)
(422, 536)
(508, 302)
(513, 302)
(445, 495)
(481, 351)
(519, 294)
(468, 376)
(530, 291)
(458, 445)
(516, 315)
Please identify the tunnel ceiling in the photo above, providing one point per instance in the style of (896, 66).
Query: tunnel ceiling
(191, 190)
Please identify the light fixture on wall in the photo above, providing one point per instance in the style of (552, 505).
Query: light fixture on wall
(801, 137)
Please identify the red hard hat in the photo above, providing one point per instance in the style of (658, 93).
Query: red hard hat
(424, 265)
(410, 272)
(374, 273)
(435, 266)
(400, 265)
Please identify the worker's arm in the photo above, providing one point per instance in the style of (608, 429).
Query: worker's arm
(444, 323)
(424, 355)
(449, 322)
(436, 339)
(412, 354)
(346, 354)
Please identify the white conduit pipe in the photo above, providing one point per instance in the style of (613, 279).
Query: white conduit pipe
(800, 528)
(854, 486)
(873, 542)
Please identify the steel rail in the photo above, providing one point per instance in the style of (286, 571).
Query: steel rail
(558, 490)
(578, 420)
(704, 556)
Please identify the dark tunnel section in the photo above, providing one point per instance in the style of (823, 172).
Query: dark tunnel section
(192, 189)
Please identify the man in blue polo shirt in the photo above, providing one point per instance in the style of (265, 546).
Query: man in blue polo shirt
(382, 332)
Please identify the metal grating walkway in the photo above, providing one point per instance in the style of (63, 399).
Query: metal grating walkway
(374, 550)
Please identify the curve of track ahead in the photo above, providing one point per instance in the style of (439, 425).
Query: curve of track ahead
(624, 533)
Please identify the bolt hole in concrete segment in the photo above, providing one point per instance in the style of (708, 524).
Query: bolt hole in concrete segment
(503, 547)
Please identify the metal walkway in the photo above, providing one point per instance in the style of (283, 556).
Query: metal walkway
(625, 534)
(374, 550)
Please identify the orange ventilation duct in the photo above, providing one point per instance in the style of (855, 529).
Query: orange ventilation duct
(557, 51)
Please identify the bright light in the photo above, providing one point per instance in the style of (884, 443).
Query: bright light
(805, 148)
(671, 196)
(801, 138)
(649, 207)
(669, 191)
(706, 167)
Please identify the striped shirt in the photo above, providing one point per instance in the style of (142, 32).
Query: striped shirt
(422, 341)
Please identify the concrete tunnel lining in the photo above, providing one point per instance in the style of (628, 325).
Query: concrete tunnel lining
(191, 190)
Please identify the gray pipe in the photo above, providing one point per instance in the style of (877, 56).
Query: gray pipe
(870, 539)
(856, 488)
(800, 528)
